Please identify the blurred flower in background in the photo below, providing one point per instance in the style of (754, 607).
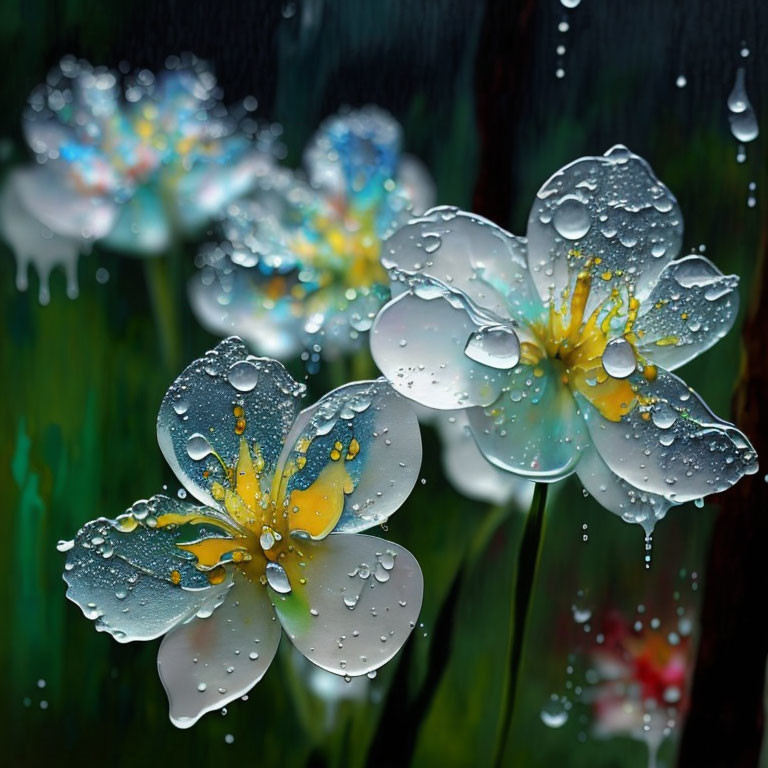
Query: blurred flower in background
(560, 345)
(299, 270)
(133, 161)
(637, 680)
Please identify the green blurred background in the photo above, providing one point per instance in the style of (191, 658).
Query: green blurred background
(474, 85)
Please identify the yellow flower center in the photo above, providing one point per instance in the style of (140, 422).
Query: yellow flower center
(577, 343)
(267, 526)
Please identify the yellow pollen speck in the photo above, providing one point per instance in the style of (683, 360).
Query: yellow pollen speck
(239, 426)
(684, 316)
(650, 372)
(353, 449)
(645, 415)
(607, 275)
(175, 577)
(538, 372)
(238, 411)
(301, 462)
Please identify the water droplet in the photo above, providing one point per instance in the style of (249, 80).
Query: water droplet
(554, 714)
(494, 346)
(65, 546)
(277, 578)
(681, 81)
(619, 359)
(243, 376)
(570, 3)
(571, 219)
(198, 447)
(229, 738)
(742, 118)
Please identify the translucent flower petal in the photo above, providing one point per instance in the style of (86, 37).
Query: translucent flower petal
(130, 576)
(33, 243)
(361, 600)
(671, 444)
(611, 208)
(419, 344)
(142, 225)
(353, 153)
(205, 664)
(467, 253)
(49, 193)
(470, 472)
(207, 189)
(416, 182)
(351, 459)
(691, 308)
(534, 428)
(618, 496)
(219, 400)
(231, 299)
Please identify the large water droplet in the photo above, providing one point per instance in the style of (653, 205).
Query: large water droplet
(742, 118)
(243, 376)
(198, 447)
(619, 359)
(494, 346)
(571, 219)
(277, 578)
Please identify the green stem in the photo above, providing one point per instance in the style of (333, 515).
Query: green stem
(163, 299)
(528, 560)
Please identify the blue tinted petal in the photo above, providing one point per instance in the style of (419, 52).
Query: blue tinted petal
(534, 428)
(130, 576)
(220, 399)
(356, 454)
(611, 208)
(142, 225)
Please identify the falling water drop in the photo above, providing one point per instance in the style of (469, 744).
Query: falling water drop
(554, 714)
(742, 118)
(570, 3)
(741, 154)
(681, 81)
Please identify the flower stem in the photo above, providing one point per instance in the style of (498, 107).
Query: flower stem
(163, 299)
(528, 560)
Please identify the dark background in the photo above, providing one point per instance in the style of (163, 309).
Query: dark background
(473, 84)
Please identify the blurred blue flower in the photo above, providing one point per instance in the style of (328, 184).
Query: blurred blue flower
(299, 269)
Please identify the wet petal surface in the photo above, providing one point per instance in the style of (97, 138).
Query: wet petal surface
(131, 577)
(534, 428)
(671, 444)
(361, 600)
(207, 663)
(142, 225)
(467, 253)
(351, 459)
(611, 210)
(420, 346)
(49, 193)
(618, 496)
(690, 309)
(220, 400)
